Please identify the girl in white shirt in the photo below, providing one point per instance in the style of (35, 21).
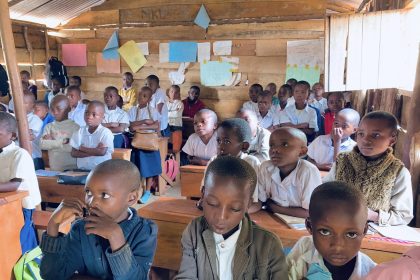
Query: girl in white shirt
(175, 108)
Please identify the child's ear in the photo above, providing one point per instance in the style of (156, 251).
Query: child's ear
(133, 197)
(14, 136)
(393, 139)
(303, 151)
(308, 225)
(245, 146)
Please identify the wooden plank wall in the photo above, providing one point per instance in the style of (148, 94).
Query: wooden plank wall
(261, 48)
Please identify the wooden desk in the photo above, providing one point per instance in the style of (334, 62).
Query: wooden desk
(191, 177)
(172, 216)
(51, 191)
(11, 218)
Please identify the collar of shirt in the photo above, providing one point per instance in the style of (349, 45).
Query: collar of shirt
(96, 130)
(231, 241)
(9, 147)
(275, 172)
(127, 88)
(328, 141)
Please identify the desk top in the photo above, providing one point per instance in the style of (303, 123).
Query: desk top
(193, 168)
(7, 197)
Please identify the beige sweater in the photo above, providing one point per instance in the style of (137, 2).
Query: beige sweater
(59, 154)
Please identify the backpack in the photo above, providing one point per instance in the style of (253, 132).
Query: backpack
(171, 167)
(27, 268)
(4, 82)
(55, 69)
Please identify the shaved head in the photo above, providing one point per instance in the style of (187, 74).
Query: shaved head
(294, 132)
(60, 100)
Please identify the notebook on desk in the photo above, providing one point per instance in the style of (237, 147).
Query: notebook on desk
(292, 222)
(401, 232)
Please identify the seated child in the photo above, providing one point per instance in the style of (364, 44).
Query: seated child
(317, 100)
(25, 76)
(202, 145)
(56, 136)
(260, 137)
(109, 242)
(42, 111)
(405, 267)
(56, 88)
(266, 115)
(18, 173)
(300, 115)
(93, 143)
(335, 103)
(324, 149)
(116, 119)
(77, 113)
(372, 168)
(286, 181)
(285, 92)
(175, 108)
(253, 93)
(145, 117)
(158, 101)
(128, 92)
(225, 243)
(272, 88)
(337, 222)
(192, 104)
(35, 129)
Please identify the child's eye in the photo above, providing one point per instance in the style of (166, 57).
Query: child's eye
(88, 192)
(375, 135)
(352, 235)
(360, 134)
(285, 144)
(236, 209)
(105, 195)
(324, 232)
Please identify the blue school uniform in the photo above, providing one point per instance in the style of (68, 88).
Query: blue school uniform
(48, 119)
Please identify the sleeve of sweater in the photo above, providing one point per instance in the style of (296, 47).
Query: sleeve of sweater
(277, 262)
(188, 268)
(49, 144)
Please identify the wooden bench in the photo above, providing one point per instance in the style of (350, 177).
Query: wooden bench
(172, 216)
(191, 177)
(40, 219)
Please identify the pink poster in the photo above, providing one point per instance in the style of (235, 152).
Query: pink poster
(74, 54)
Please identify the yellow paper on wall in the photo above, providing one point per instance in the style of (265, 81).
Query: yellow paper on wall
(131, 53)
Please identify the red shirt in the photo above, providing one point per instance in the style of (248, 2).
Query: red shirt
(191, 110)
(328, 122)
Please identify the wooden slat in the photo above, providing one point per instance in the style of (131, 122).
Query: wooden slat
(337, 50)
(95, 18)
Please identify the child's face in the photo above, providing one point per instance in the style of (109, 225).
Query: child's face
(253, 94)
(144, 97)
(74, 98)
(152, 84)
(335, 104)
(60, 110)
(111, 98)
(283, 95)
(24, 78)
(228, 143)
(346, 127)
(6, 136)
(56, 86)
(28, 103)
(172, 93)
(252, 123)
(127, 81)
(338, 234)
(264, 103)
(300, 94)
(74, 82)
(318, 90)
(104, 192)
(94, 115)
(374, 137)
(193, 95)
(40, 111)
(204, 124)
(285, 149)
(224, 203)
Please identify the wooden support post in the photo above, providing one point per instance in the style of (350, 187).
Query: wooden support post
(9, 53)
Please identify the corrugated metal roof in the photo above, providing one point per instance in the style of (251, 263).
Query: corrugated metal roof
(49, 12)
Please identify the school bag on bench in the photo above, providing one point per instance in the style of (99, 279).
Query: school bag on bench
(55, 69)
(27, 268)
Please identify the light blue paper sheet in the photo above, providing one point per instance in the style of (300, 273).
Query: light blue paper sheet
(215, 73)
(202, 19)
(111, 49)
(182, 51)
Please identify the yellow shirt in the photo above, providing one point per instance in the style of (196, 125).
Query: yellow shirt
(129, 97)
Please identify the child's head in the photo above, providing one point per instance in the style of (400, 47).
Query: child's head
(60, 108)
(41, 109)
(253, 92)
(376, 133)
(318, 90)
(285, 92)
(8, 127)
(28, 101)
(301, 92)
(94, 114)
(348, 120)
(205, 122)
(271, 87)
(111, 97)
(174, 92)
(337, 221)
(335, 101)
(193, 94)
(264, 101)
(112, 187)
(233, 136)
(75, 81)
(25, 76)
(287, 146)
(292, 82)
(128, 79)
(229, 183)
(74, 95)
(56, 85)
(152, 81)
(250, 117)
(144, 96)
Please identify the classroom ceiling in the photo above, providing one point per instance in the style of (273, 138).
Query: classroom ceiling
(343, 6)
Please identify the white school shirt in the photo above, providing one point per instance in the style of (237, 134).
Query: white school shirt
(295, 116)
(51, 95)
(160, 97)
(143, 114)
(321, 150)
(304, 254)
(293, 191)
(260, 144)
(91, 140)
(270, 119)
(249, 105)
(118, 116)
(35, 124)
(16, 162)
(195, 147)
(78, 114)
(321, 105)
(175, 110)
(401, 211)
(225, 252)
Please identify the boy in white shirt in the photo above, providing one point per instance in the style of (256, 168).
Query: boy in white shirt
(318, 100)
(286, 182)
(175, 108)
(93, 143)
(116, 119)
(324, 149)
(57, 88)
(267, 118)
(77, 113)
(253, 92)
(18, 173)
(159, 102)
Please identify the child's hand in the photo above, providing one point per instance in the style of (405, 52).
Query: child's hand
(31, 135)
(101, 145)
(149, 122)
(114, 124)
(337, 134)
(48, 137)
(66, 141)
(373, 216)
(67, 209)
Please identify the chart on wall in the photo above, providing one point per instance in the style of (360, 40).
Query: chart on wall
(305, 60)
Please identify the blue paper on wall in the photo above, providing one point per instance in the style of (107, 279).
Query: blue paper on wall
(111, 49)
(182, 51)
(202, 19)
(215, 73)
